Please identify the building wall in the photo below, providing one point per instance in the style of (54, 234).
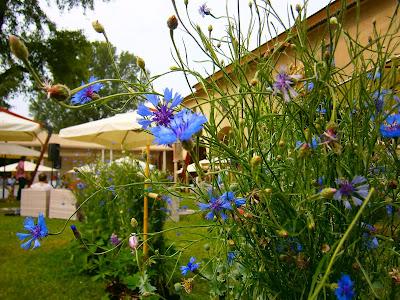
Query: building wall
(358, 25)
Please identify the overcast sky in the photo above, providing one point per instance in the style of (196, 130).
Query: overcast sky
(140, 27)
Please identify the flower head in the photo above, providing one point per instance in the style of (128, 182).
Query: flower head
(354, 190)
(218, 205)
(231, 257)
(190, 267)
(80, 186)
(391, 127)
(204, 10)
(35, 232)
(181, 128)
(162, 111)
(283, 85)
(345, 289)
(133, 242)
(114, 239)
(88, 93)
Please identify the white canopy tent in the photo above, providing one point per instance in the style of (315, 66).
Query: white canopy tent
(14, 127)
(118, 132)
(14, 151)
(29, 167)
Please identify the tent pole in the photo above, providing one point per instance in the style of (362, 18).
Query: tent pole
(4, 179)
(146, 205)
(44, 149)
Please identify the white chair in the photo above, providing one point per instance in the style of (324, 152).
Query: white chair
(62, 204)
(34, 202)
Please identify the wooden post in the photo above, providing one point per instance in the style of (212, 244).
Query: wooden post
(146, 206)
(164, 161)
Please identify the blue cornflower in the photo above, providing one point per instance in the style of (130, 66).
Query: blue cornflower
(36, 232)
(88, 93)
(374, 76)
(379, 99)
(345, 289)
(389, 210)
(370, 241)
(204, 10)
(166, 199)
(309, 86)
(321, 110)
(283, 85)
(162, 111)
(182, 127)
(218, 205)
(190, 267)
(111, 188)
(114, 239)
(80, 185)
(312, 145)
(391, 127)
(231, 257)
(355, 190)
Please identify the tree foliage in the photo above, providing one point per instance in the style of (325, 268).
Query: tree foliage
(76, 60)
(27, 20)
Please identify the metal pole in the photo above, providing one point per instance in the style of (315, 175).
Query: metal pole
(4, 178)
(146, 205)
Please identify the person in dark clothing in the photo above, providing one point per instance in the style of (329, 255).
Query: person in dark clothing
(21, 176)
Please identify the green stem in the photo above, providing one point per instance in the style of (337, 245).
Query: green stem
(339, 246)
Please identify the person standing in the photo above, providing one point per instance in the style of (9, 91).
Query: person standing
(21, 176)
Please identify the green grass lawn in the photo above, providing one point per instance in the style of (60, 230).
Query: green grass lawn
(43, 273)
(48, 273)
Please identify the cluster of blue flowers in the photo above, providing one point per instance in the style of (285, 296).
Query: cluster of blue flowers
(168, 125)
(217, 206)
(345, 289)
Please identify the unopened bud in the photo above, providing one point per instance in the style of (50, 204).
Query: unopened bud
(186, 2)
(178, 287)
(281, 144)
(206, 247)
(174, 68)
(76, 232)
(327, 193)
(250, 3)
(333, 21)
(18, 47)
(134, 223)
(231, 243)
(172, 22)
(219, 44)
(282, 233)
(255, 161)
(97, 27)
(325, 248)
(133, 242)
(392, 184)
(59, 92)
(153, 195)
(298, 7)
(254, 82)
(140, 62)
(210, 28)
(268, 191)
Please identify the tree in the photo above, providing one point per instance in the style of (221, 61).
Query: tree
(73, 59)
(27, 20)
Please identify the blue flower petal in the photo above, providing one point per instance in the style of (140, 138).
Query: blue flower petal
(29, 224)
(27, 244)
(153, 99)
(143, 110)
(23, 236)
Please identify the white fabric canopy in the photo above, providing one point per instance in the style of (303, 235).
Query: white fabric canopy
(119, 131)
(14, 127)
(13, 150)
(28, 166)
(130, 160)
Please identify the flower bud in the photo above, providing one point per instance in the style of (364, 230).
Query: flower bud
(172, 22)
(210, 28)
(140, 62)
(333, 21)
(154, 196)
(298, 7)
(59, 92)
(178, 287)
(206, 247)
(175, 68)
(186, 2)
(76, 232)
(268, 191)
(282, 233)
(219, 44)
(327, 193)
(133, 242)
(392, 184)
(255, 161)
(97, 27)
(231, 242)
(281, 144)
(18, 47)
(134, 223)
(250, 3)
(325, 248)
(254, 82)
